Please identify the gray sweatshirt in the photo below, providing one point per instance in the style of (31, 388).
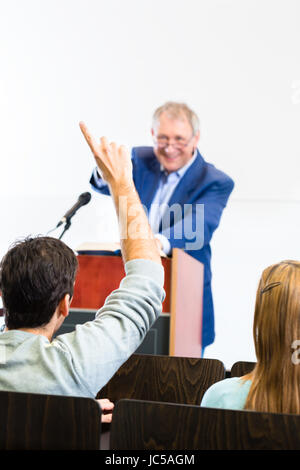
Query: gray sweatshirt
(80, 363)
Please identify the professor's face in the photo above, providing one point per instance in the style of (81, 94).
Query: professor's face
(174, 142)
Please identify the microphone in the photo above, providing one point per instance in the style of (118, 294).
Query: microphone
(83, 199)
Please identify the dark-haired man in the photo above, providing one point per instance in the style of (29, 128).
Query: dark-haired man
(36, 281)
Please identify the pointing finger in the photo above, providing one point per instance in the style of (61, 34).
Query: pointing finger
(88, 137)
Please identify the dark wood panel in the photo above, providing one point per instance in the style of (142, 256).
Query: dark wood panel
(241, 368)
(139, 425)
(48, 422)
(163, 378)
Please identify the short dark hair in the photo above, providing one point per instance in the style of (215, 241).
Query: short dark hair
(35, 274)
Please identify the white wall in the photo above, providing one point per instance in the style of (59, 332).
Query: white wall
(111, 63)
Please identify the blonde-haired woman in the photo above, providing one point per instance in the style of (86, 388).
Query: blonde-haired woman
(274, 384)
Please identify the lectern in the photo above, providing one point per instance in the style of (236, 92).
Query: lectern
(177, 332)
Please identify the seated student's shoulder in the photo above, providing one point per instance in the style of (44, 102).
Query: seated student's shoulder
(229, 393)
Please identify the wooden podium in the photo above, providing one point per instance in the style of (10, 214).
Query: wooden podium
(181, 320)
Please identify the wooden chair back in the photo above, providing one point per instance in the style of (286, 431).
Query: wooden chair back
(163, 378)
(48, 422)
(142, 425)
(240, 368)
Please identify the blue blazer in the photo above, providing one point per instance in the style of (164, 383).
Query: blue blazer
(202, 187)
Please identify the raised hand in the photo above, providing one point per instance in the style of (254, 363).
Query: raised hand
(113, 161)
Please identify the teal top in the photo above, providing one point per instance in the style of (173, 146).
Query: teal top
(228, 394)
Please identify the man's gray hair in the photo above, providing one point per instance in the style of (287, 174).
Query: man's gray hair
(176, 111)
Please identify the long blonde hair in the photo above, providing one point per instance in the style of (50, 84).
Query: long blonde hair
(276, 378)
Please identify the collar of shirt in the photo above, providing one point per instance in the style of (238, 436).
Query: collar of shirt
(166, 187)
(179, 173)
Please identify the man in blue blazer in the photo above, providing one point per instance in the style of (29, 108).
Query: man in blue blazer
(183, 195)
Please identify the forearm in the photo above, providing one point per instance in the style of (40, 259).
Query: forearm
(136, 237)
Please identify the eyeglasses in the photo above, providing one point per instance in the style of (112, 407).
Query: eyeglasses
(163, 142)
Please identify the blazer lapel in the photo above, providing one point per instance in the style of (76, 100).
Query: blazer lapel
(149, 185)
(188, 182)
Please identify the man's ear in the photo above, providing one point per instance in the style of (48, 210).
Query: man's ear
(197, 137)
(64, 305)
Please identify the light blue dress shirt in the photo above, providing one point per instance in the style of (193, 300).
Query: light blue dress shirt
(166, 187)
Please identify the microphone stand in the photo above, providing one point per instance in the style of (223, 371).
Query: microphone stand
(67, 226)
